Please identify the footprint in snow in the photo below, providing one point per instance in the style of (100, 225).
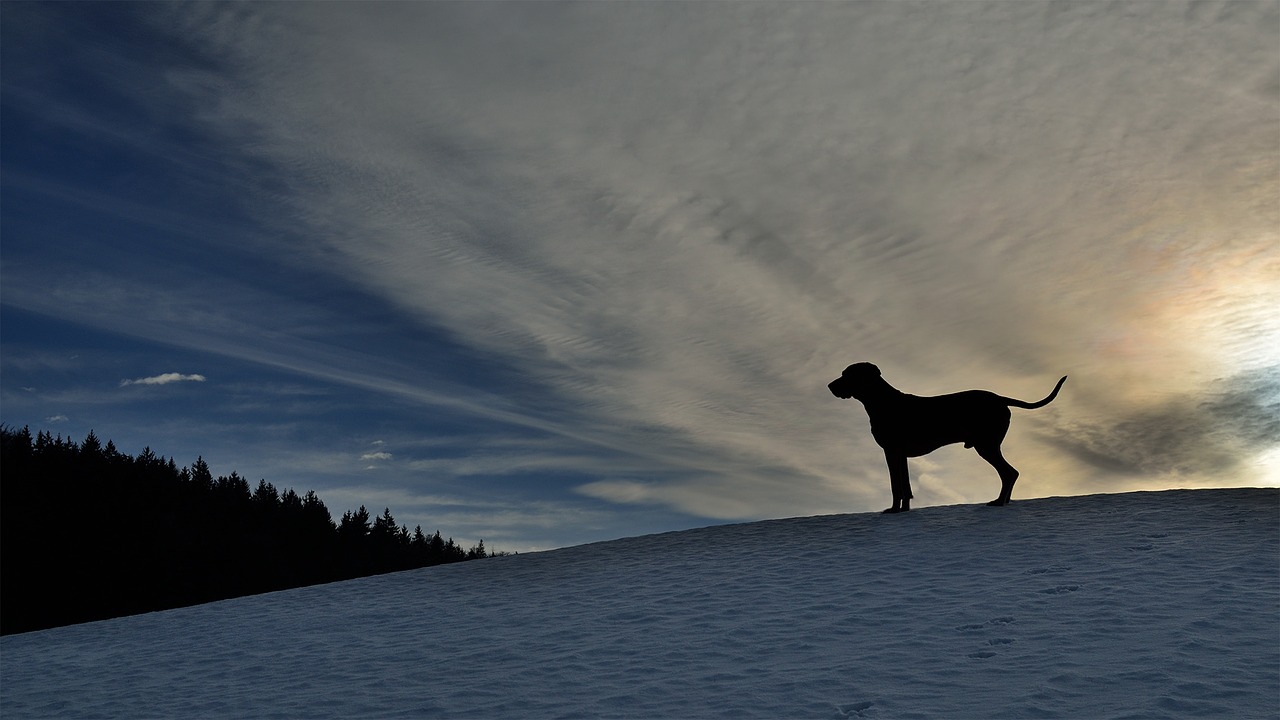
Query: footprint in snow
(983, 626)
(1059, 590)
(854, 710)
(993, 642)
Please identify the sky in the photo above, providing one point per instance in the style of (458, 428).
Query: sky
(550, 273)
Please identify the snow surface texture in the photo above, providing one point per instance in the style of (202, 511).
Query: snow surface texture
(1136, 605)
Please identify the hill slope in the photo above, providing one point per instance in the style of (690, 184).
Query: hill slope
(1133, 605)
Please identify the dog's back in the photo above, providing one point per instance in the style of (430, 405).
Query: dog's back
(919, 425)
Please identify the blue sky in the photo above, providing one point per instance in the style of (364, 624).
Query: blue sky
(552, 273)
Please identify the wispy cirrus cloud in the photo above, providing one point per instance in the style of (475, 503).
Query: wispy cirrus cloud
(649, 234)
(163, 379)
(682, 223)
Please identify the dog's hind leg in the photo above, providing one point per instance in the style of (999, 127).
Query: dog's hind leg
(899, 482)
(1008, 473)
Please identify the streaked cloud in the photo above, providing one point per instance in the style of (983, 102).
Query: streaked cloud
(629, 244)
(1214, 433)
(979, 196)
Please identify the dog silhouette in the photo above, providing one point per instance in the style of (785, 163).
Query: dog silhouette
(911, 426)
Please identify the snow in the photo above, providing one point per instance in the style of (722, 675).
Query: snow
(1107, 606)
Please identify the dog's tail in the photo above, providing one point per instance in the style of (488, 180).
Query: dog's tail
(1032, 406)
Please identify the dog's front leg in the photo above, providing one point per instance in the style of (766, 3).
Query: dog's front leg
(899, 481)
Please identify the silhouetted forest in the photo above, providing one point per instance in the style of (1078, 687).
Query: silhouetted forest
(88, 533)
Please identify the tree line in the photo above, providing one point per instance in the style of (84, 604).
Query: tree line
(89, 533)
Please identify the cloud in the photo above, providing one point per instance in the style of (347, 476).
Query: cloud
(670, 225)
(163, 379)
(376, 456)
(56, 419)
(681, 223)
(1211, 434)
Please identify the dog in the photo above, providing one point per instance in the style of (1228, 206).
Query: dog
(910, 426)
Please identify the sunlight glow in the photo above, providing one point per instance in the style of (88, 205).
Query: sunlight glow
(1224, 315)
(1240, 318)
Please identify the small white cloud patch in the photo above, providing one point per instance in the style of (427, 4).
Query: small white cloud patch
(163, 379)
(376, 456)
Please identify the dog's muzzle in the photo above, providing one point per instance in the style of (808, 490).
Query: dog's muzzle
(838, 389)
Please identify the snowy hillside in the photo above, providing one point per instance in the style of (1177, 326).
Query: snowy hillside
(1136, 605)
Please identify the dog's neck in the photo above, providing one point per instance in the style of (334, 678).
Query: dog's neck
(878, 391)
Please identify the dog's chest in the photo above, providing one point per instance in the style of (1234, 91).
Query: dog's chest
(914, 426)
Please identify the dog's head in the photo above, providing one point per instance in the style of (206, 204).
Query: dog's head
(854, 381)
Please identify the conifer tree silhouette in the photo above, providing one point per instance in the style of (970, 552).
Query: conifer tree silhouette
(88, 533)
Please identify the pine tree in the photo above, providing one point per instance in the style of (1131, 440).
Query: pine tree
(266, 497)
(355, 525)
(91, 447)
(200, 475)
